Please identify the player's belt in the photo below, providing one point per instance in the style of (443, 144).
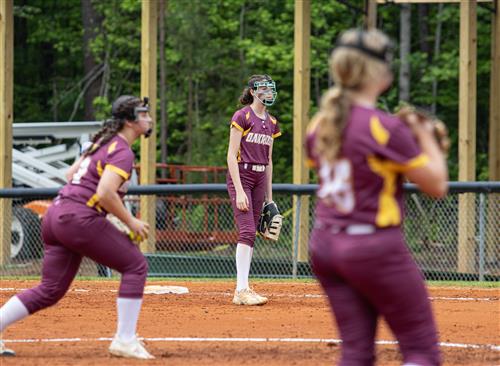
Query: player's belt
(254, 167)
(353, 229)
(360, 229)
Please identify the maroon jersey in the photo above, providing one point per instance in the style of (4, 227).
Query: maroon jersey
(365, 184)
(258, 135)
(116, 156)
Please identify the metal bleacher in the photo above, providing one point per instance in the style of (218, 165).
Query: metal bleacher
(45, 167)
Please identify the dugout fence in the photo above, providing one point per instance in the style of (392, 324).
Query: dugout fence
(195, 232)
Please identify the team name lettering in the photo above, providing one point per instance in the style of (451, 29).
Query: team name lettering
(258, 138)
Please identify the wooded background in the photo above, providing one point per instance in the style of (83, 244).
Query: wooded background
(72, 58)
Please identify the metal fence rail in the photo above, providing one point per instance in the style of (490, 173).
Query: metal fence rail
(455, 238)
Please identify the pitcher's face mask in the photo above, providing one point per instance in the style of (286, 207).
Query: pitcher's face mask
(265, 91)
(141, 113)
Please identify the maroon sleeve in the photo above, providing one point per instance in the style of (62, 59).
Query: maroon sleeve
(276, 125)
(309, 147)
(402, 148)
(240, 120)
(120, 159)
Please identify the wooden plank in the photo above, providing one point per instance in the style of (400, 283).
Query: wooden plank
(467, 133)
(149, 29)
(494, 140)
(301, 95)
(6, 120)
(492, 230)
(370, 14)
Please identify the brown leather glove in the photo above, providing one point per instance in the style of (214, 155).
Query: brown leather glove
(439, 127)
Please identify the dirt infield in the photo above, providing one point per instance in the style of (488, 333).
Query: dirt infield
(77, 330)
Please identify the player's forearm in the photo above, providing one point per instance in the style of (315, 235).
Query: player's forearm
(437, 161)
(113, 204)
(234, 172)
(269, 182)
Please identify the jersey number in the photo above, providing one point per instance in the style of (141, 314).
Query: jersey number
(336, 185)
(84, 166)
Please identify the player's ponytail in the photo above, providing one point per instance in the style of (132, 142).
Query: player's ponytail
(331, 121)
(122, 110)
(109, 130)
(246, 98)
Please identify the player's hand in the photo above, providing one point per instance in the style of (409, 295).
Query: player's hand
(424, 125)
(139, 228)
(242, 201)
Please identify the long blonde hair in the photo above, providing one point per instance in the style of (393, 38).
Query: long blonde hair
(352, 65)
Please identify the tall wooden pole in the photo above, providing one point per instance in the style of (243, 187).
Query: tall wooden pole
(370, 14)
(149, 29)
(301, 96)
(467, 133)
(6, 119)
(493, 231)
(494, 141)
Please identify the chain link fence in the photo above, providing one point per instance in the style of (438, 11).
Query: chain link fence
(455, 238)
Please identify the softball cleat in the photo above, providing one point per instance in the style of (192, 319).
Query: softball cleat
(248, 297)
(131, 349)
(5, 352)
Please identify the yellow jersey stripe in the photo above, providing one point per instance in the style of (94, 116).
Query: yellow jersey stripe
(99, 168)
(310, 163)
(388, 213)
(379, 133)
(417, 162)
(276, 135)
(246, 131)
(235, 124)
(122, 173)
(112, 147)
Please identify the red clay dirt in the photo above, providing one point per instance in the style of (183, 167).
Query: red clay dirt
(295, 310)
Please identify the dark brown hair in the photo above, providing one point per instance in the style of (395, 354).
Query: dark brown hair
(246, 97)
(122, 110)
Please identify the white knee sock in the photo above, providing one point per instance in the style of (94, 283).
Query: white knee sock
(12, 311)
(243, 261)
(128, 314)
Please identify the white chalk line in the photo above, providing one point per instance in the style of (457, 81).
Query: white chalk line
(311, 296)
(492, 347)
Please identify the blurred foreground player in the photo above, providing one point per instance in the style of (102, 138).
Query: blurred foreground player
(75, 226)
(357, 248)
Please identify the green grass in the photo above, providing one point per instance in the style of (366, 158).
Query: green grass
(480, 284)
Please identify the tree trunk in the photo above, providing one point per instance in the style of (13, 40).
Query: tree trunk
(91, 23)
(423, 16)
(404, 52)
(55, 96)
(243, 72)
(437, 51)
(163, 97)
(197, 131)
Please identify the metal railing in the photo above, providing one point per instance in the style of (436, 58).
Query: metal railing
(455, 238)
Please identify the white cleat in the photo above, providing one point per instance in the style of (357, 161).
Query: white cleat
(248, 297)
(5, 352)
(132, 349)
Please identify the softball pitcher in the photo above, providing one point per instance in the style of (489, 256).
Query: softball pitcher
(76, 226)
(357, 247)
(250, 170)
